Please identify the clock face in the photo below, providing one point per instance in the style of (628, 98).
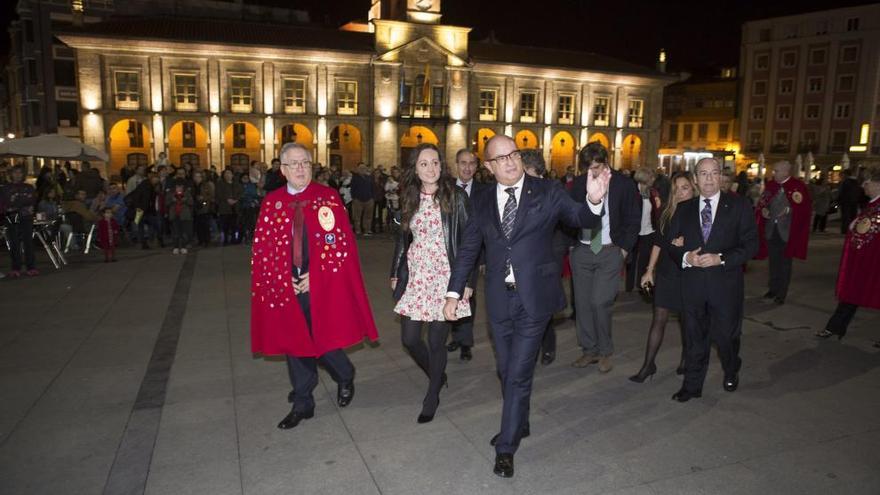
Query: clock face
(424, 4)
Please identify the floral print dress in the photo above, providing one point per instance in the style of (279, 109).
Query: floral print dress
(428, 265)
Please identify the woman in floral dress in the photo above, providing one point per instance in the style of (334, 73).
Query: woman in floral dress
(433, 216)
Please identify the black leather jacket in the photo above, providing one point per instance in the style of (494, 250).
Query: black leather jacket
(453, 232)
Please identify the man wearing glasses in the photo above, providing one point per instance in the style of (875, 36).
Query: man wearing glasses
(307, 295)
(515, 221)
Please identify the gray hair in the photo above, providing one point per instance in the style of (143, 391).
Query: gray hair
(294, 146)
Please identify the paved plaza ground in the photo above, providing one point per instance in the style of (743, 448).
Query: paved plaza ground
(137, 377)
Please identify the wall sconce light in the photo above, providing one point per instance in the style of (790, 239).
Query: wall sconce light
(562, 142)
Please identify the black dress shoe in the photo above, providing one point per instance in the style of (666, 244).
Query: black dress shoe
(731, 384)
(769, 295)
(345, 393)
(525, 433)
(779, 300)
(466, 353)
(453, 346)
(504, 465)
(548, 357)
(684, 396)
(293, 419)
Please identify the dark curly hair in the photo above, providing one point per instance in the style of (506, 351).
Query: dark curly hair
(411, 186)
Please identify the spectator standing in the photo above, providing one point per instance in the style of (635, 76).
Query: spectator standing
(203, 196)
(378, 222)
(821, 193)
(108, 234)
(249, 206)
(179, 204)
(228, 195)
(17, 205)
(362, 200)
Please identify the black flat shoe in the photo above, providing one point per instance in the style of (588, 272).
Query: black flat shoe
(547, 358)
(644, 374)
(504, 465)
(466, 353)
(731, 384)
(684, 396)
(779, 301)
(345, 393)
(453, 346)
(525, 434)
(294, 418)
(825, 333)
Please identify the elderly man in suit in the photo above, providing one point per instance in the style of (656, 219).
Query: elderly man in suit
(720, 236)
(515, 222)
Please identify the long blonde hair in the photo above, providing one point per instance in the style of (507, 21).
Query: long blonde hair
(671, 204)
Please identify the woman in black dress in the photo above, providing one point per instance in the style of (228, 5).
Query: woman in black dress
(665, 277)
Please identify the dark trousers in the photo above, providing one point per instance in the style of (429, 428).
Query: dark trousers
(780, 265)
(596, 280)
(228, 226)
(842, 317)
(548, 342)
(463, 329)
(819, 222)
(180, 232)
(847, 215)
(203, 228)
(303, 371)
(707, 317)
(517, 342)
(21, 240)
(153, 221)
(431, 358)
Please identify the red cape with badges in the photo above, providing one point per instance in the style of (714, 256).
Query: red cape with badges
(801, 210)
(341, 315)
(858, 281)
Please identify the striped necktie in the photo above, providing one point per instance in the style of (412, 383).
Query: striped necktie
(507, 219)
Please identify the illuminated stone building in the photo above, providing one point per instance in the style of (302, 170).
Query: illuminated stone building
(229, 92)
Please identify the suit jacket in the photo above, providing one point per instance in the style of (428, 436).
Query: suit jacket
(542, 204)
(624, 206)
(734, 236)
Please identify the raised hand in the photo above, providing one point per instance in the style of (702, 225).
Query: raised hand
(597, 185)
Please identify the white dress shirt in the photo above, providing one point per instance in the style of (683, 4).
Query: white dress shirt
(713, 201)
(647, 227)
(601, 209)
(294, 191)
(502, 197)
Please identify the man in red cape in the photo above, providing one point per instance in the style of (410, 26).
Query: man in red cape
(783, 216)
(307, 294)
(858, 280)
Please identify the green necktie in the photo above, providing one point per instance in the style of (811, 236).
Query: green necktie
(596, 239)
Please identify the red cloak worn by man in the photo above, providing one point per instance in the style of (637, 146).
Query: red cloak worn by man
(801, 207)
(340, 311)
(858, 281)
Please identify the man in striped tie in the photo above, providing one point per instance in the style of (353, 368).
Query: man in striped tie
(719, 237)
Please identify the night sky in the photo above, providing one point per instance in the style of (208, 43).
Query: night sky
(698, 35)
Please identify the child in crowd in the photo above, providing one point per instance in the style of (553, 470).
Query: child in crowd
(108, 234)
(180, 215)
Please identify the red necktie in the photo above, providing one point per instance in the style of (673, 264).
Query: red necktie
(298, 218)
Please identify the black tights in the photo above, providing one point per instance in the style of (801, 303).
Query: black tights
(655, 339)
(431, 358)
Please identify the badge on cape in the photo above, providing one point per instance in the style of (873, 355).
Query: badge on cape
(765, 212)
(863, 226)
(797, 197)
(326, 218)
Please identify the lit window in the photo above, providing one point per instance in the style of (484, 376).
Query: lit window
(185, 97)
(294, 95)
(488, 104)
(566, 109)
(528, 106)
(346, 97)
(241, 93)
(636, 113)
(188, 129)
(239, 135)
(600, 111)
(128, 93)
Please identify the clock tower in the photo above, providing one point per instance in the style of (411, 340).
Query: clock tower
(420, 11)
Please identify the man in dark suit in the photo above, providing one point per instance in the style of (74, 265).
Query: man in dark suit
(597, 259)
(515, 222)
(463, 330)
(720, 236)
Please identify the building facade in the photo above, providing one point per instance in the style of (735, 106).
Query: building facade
(230, 92)
(810, 87)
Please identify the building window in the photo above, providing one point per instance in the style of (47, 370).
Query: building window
(809, 138)
(841, 111)
(294, 95)
(68, 114)
(811, 112)
(239, 135)
(852, 24)
(760, 88)
(346, 97)
(565, 110)
(839, 140)
(601, 111)
(65, 72)
(36, 113)
(789, 59)
(135, 134)
(702, 131)
(783, 112)
(241, 93)
(185, 96)
(786, 86)
(189, 159)
(757, 113)
(688, 132)
(723, 131)
(849, 54)
(135, 160)
(756, 139)
(673, 132)
(128, 95)
(528, 106)
(189, 134)
(821, 27)
(636, 113)
(33, 76)
(815, 84)
(488, 104)
(239, 161)
(762, 62)
(846, 82)
(817, 56)
(780, 138)
(437, 93)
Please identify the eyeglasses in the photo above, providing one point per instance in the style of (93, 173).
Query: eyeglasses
(505, 158)
(298, 165)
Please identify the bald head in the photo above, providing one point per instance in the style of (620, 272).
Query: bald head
(781, 170)
(503, 159)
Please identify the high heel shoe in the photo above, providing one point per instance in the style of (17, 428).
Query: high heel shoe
(427, 418)
(644, 374)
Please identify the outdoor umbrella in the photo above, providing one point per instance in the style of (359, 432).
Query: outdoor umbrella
(52, 146)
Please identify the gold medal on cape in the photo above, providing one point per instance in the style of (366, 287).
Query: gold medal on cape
(863, 226)
(797, 197)
(765, 212)
(326, 218)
